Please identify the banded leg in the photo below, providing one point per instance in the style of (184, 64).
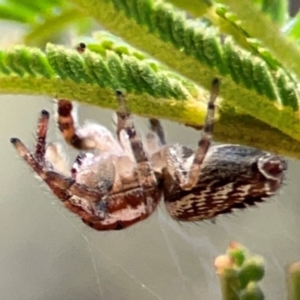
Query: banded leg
(41, 135)
(157, 128)
(59, 183)
(189, 180)
(155, 141)
(125, 122)
(88, 137)
(68, 127)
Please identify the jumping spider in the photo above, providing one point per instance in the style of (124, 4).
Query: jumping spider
(115, 183)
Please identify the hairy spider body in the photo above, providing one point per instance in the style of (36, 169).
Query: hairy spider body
(232, 177)
(115, 183)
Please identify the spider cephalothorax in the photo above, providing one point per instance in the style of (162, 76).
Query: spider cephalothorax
(115, 183)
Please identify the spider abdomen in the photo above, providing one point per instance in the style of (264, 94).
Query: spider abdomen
(231, 176)
(116, 211)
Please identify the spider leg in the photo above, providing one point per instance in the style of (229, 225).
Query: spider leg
(59, 183)
(189, 180)
(88, 137)
(41, 134)
(51, 153)
(95, 204)
(57, 158)
(67, 125)
(157, 128)
(125, 122)
(146, 175)
(155, 139)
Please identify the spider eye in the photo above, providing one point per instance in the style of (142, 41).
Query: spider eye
(271, 166)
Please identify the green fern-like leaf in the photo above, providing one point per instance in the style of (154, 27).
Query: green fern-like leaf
(255, 85)
(153, 90)
(198, 53)
(109, 71)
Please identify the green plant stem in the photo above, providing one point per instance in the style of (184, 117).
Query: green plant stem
(230, 127)
(144, 105)
(229, 285)
(293, 281)
(239, 273)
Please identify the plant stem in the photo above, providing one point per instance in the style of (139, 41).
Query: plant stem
(293, 281)
(230, 127)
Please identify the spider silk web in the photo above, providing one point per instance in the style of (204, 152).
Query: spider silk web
(48, 253)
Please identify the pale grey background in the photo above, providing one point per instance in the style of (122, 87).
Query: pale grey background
(48, 253)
